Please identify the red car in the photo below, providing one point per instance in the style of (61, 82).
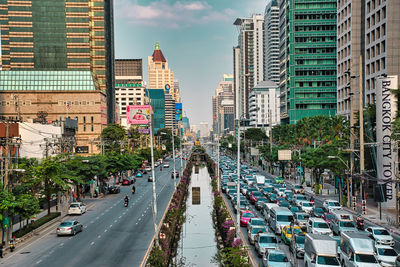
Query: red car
(328, 217)
(255, 196)
(245, 217)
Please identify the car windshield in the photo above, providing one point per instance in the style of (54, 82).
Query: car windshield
(248, 215)
(334, 204)
(63, 224)
(302, 217)
(321, 225)
(366, 258)
(318, 210)
(381, 232)
(257, 222)
(268, 239)
(257, 230)
(257, 194)
(262, 199)
(284, 218)
(296, 230)
(387, 252)
(326, 260)
(300, 239)
(74, 206)
(330, 216)
(307, 204)
(301, 198)
(277, 257)
(346, 224)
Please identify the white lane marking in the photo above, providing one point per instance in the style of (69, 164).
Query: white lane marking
(119, 217)
(105, 231)
(39, 261)
(111, 225)
(62, 244)
(91, 221)
(85, 226)
(99, 236)
(92, 243)
(115, 221)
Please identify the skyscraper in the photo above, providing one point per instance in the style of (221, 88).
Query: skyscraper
(59, 58)
(271, 42)
(307, 59)
(250, 58)
(159, 73)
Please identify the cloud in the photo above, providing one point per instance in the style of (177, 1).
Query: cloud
(170, 15)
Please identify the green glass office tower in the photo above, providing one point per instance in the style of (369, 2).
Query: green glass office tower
(157, 100)
(307, 59)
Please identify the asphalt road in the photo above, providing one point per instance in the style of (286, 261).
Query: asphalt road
(113, 235)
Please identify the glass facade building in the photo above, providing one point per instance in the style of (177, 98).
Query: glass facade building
(157, 101)
(307, 59)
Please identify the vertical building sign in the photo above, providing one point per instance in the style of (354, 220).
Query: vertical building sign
(386, 109)
(178, 111)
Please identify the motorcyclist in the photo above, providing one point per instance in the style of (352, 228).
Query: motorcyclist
(133, 189)
(160, 168)
(126, 199)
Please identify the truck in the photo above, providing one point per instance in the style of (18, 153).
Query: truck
(320, 250)
(357, 249)
(260, 179)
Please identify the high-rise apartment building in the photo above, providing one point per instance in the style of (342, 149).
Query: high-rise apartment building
(250, 58)
(271, 41)
(159, 74)
(129, 85)
(239, 107)
(170, 122)
(223, 105)
(203, 128)
(58, 60)
(307, 59)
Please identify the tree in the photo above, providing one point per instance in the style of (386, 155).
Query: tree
(26, 206)
(112, 136)
(255, 134)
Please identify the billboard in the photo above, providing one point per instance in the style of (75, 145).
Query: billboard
(284, 155)
(178, 111)
(386, 109)
(139, 114)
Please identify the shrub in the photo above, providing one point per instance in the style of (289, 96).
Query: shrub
(30, 227)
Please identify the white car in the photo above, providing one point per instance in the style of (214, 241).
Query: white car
(381, 236)
(331, 205)
(166, 165)
(318, 226)
(76, 208)
(386, 255)
(306, 206)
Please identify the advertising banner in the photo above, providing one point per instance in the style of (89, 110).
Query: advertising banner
(178, 111)
(284, 155)
(386, 109)
(139, 114)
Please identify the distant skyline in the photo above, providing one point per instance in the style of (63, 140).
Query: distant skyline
(196, 37)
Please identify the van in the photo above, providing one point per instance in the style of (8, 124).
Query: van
(342, 215)
(357, 249)
(260, 179)
(267, 209)
(280, 217)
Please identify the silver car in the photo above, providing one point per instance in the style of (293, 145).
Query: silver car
(69, 228)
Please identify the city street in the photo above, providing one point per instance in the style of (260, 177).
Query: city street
(113, 235)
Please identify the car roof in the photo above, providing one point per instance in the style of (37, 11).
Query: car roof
(67, 222)
(267, 234)
(276, 251)
(76, 203)
(383, 246)
(317, 220)
(377, 228)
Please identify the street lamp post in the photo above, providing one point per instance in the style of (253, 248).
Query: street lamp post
(173, 154)
(238, 181)
(347, 180)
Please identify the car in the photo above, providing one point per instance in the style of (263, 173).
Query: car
(297, 198)
(380, 235)
(260, 203)
(76, 208)
(339, 226)
(255, 230)
(166, 165)
(272, 197)
(139, 174)
(306, 206)
(176, 174)
(328, 217)
(148, 168)
(114, 189)
(284, 204)
(298, 189)
(301, 218)
(264, 242)
(255, 222)
(318, 212)
(386, 255)
(255, 196)
(287, 232)
(244, 206)
(279, 180)
(245, 217)
(126, 182)
(297, 245)
(69, 228)
(276, 258)
(331, 205)
(294, 209)
(318, 226)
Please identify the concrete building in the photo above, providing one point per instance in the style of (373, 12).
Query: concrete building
(159, 74)
(250, 58)
(170, 122)
(129, 85)
(307, 59)
(265, 105)
(204, 130)
(382, 43)
(236, 81)
(223, 105)
(58, 59)
(271, 41)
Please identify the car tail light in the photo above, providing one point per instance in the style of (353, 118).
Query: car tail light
(58, 229)
(70, 228)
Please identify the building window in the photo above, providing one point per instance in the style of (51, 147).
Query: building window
(92, 122)
(84, 123)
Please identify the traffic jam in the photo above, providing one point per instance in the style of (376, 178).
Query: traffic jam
(286, 227)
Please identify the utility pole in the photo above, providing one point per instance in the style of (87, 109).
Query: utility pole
(270, 140)
(352, 122)
(173, 153)
(218, 183)
(238, 181)
(7, 154)
(361, 107)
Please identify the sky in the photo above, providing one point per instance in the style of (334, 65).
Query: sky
(195, 36)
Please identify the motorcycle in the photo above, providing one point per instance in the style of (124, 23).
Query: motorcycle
(360, 224)
(133, 190)
(12, 246)
(160, 168)
(126, 204)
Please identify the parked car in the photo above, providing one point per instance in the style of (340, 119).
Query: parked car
(69, 228)
(114, 189)
(380, 235)
(76, 208)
